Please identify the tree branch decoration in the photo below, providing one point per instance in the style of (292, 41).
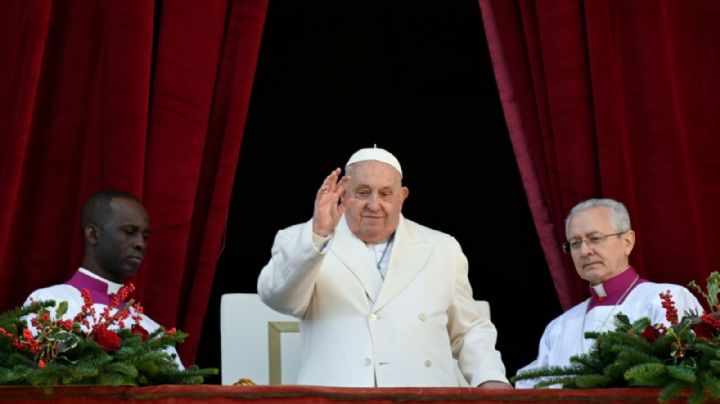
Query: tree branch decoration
(41, 349)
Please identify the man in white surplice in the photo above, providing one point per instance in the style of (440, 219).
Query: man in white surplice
(600, 240)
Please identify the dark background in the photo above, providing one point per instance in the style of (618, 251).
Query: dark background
(414, 78)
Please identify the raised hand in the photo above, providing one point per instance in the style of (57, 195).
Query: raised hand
(328, 210)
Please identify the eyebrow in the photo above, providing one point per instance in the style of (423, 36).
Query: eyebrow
(370, 187)
(587, 234)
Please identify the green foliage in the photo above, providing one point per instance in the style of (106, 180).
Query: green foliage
(670, 391)
(647, 374)
(682, 373)
(592, 381)
(11, 320)
(79, 360)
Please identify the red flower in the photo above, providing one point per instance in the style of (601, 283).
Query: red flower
(138, 330)
(703, 330)
(107, 339)
(650, 333)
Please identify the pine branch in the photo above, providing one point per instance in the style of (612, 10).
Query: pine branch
(547, 371)
(647, 374)
(564, 381)
(696, 396)
(593, 381)
(631, 355)
(710, 382)
(682, 373)
(671, 391)
(714, 365)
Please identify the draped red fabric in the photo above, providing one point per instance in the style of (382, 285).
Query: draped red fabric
(148, 97)
(616, 99)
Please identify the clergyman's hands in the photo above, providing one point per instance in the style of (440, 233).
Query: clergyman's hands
(327, 208)
(492, 384)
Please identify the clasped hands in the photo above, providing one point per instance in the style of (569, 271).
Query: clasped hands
(493, 384)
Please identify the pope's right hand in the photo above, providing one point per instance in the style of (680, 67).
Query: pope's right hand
(328, 209)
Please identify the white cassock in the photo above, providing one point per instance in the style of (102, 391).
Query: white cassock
(360, 330)
(565, 335)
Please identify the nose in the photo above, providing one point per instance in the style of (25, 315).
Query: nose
(372, 203)
(585, 248)
(139, 242)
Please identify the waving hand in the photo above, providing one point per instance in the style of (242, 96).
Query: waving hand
(328, 210)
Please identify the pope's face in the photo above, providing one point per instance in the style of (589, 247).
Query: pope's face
(598, 258)
(374, 198)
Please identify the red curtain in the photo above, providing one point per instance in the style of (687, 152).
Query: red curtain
(616, 99)
(145, 96)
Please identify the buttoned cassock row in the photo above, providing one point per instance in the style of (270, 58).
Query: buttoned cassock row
(358, 330)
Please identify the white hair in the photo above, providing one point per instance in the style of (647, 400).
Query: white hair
(619, 216)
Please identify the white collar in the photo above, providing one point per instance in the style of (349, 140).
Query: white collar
(599, 289)
(112, 287)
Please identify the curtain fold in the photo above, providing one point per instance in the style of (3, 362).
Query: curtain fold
(148, 97)
(615, 99)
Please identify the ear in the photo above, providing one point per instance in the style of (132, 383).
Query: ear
(628, 242)
(91, 234)
(404, 191)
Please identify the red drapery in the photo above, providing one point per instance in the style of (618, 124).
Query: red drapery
(616, 99)
(148, 97)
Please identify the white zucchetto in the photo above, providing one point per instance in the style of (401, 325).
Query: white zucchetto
(377, 154)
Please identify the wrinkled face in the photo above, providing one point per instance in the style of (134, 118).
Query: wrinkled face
(374, 198)
(604, 258)
(121, 240)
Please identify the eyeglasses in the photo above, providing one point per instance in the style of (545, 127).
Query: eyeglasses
(592, 241)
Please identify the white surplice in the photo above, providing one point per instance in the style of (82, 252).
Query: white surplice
(564, 336)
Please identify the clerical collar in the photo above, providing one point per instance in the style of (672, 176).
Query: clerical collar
(610, 292)
(100, 288)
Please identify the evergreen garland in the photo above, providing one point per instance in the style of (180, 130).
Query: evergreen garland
(684, 356)
(62, 352)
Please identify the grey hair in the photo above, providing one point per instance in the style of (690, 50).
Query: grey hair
(619, 216)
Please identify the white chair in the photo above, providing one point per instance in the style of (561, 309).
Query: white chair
(256, 342)
(260, 344)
